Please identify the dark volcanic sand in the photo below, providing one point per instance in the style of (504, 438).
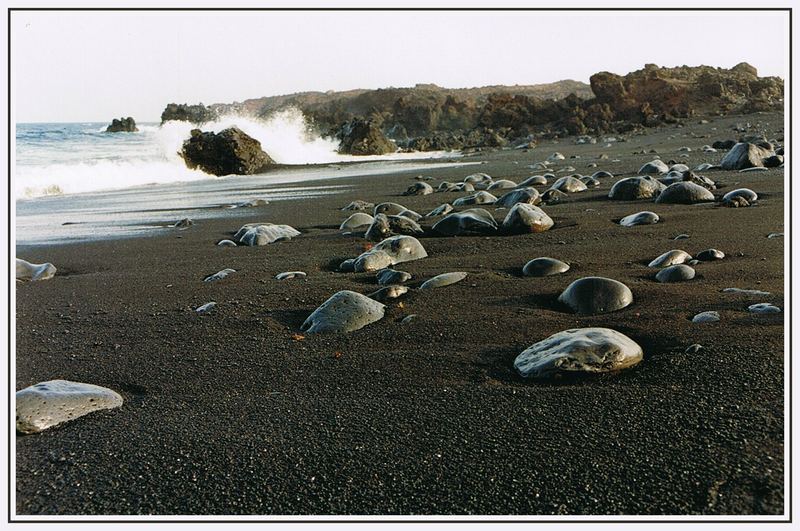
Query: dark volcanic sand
(228, 414)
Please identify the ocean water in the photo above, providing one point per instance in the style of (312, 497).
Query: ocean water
(74, 181)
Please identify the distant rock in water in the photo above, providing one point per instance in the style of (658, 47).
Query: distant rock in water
(228, 152)
(362, 137)
(122, 125)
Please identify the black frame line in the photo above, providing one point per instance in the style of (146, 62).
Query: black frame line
(433, 519)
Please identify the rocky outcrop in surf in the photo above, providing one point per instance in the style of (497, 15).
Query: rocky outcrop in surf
(122, 125)
(363, 137)
(231, 151)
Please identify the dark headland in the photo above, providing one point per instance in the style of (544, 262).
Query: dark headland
(238, 412)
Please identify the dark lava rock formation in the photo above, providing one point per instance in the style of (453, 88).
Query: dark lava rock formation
(122, 125)
(362, 137)
(230, 151)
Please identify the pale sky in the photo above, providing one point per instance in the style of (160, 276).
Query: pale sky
(94, 66)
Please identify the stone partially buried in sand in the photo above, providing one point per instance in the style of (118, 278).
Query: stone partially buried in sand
(419, 188)
(345, 311)
(445, 279)
(47, 404)
(746, 193)
(675, 273)
(478, 198)
(706, 317)
(387, 277)
(675, 256)
(360, 221)
(633, 188)
(685, 193)
(288, 275)
(579, 350)
(654, 167)
(521, 195)
(257, 234)
(525, 218)
(544, 267)
(568, 185)
(640, 218)
(29, 271)
(358, 204)
(746, 155)
(441, 210)
(709, 255)
(384, 226)
(391, 251)
(471, 221)
(593, 295)
(763, 307)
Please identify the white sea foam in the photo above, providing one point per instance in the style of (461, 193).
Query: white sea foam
(95, 161)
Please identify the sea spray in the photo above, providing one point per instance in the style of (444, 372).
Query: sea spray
(52, 159)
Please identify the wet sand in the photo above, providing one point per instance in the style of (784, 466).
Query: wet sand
(232, 413)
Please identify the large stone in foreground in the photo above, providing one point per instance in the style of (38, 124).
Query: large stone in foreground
(29, 271)
(345, 311)
(47, 404)
(579, 350)
(391, 251)
(593, 295)
(229, 152)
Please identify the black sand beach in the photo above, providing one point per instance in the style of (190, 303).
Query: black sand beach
(234, 413)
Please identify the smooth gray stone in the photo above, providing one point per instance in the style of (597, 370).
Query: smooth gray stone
(226, 243)
(32, 272)
(358, 204)
(520, 195)
(675, 273)
(640, 218)
(471, 221)
(632, 188)
(477, 178)
(288, 275)
(388, 208)
(445, 279)
(569, 185)
(344, 311)
(593, 295)
(502, 184)
(257, 234)
(746, 193)
(525, 218)
(478, 198)
(675, 256)
(388, 292)
(685, 193)
(360, 221)
(535, 180)
(706, 317)
(746, 155)
(419, 188)
(763, 307)
(544, 267)
(388, 277)
(551, 196)
(50, 403)
(602, 175)
(709, 255)
(745, 291)
(391, 251)
(579, 350)
(590, 182)
(654, 167)
(205, 308)
(441, 210)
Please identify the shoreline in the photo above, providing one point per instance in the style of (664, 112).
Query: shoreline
(230, 413)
